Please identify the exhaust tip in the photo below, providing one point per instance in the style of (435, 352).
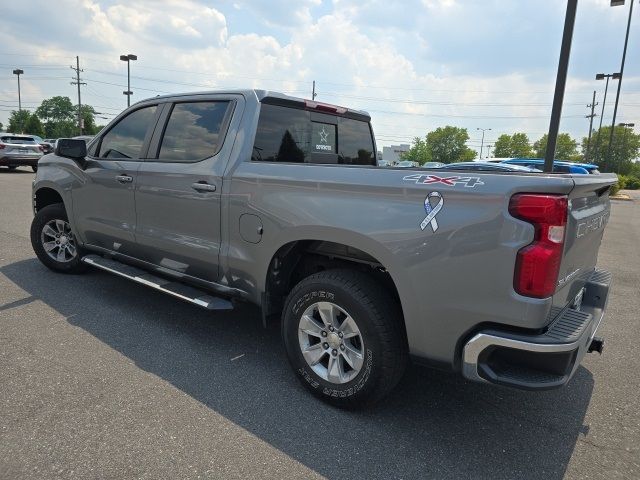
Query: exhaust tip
(596, 345)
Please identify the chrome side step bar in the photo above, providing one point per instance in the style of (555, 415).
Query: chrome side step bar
(176, 289)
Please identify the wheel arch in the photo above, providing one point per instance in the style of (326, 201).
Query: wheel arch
(45, 196)
(304, 254)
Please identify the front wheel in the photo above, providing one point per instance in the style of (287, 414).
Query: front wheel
(34, 168)
(344, 337)
(53, 241)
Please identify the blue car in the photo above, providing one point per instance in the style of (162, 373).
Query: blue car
(558, 165)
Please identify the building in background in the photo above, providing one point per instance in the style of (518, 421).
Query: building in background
(392, 153)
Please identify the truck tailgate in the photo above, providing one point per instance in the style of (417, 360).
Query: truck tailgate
(589, 208)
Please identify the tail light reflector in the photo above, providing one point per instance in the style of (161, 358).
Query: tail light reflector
(538, 264)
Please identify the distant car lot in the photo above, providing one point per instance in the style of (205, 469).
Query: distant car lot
(96, 383)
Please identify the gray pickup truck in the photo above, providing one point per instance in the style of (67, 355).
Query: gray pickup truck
(257, 196)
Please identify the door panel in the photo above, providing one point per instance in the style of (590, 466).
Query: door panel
(178, 194)
(104, 204)
(178, 226)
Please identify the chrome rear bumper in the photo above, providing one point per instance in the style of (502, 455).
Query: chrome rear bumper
(547, 360)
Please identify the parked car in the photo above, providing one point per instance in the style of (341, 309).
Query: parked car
(383, 163)
(47, 147)
(489, 167)
(19, 150)
(256, 196)
(558, 165)
(433, 164)
(406, 164)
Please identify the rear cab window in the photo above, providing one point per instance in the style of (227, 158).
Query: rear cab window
(297, 135)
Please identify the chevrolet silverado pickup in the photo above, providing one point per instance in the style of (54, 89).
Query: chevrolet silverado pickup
(260, 197)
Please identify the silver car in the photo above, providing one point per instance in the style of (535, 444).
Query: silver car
(19, 150)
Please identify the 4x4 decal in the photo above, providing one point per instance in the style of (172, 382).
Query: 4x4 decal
(424, 179)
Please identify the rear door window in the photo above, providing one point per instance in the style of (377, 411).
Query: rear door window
(127, 138)
(195, 131)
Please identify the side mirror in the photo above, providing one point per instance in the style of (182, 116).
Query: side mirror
(71, 148)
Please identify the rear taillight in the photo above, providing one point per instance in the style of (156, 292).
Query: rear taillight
(2, 145)
(41, 148)
(538, 264)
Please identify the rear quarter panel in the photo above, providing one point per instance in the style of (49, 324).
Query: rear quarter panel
(449, 281)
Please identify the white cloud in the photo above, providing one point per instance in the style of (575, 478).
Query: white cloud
(356, 58)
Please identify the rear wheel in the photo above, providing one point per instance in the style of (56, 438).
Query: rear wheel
(12, 167)
(53, 241)
(344, 337)
(34, 168)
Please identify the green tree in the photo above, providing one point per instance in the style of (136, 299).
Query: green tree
(34, 126)
(1, 126)
(566, 147)
(88, 120)
(444, 144)
(18, 121)
(626, 148)
(512, 146)
(418, 151)
(448, 145)
(60, 117)
(56, 109)
(502, 146)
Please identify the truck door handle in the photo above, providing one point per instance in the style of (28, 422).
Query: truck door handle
(203, 187)
(124, 178)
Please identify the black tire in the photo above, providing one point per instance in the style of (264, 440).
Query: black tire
(379, 321)
(43, 217)
(12, 167)
(34, 168)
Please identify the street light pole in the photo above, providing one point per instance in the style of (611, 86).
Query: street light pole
(561, 81)
(127, 58)
(482, 142)
(602, 76)
(615, 3)
(19, 72)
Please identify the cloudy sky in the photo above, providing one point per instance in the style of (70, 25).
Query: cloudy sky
(414, 65)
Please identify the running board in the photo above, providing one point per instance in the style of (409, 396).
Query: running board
(180, 290)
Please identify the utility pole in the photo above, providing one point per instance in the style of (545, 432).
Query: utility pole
(313, 91)
(590, 117)
(78, 83)
(482, 142)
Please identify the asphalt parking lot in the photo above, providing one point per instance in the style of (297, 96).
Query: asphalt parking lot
(102, 378)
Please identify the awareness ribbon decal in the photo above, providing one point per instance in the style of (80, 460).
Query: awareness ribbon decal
(432, 211)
